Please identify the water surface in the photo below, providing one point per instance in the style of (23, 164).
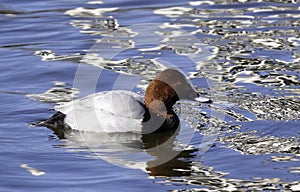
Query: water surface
(244, 55)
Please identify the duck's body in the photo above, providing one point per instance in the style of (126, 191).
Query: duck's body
(125, 111)
(109, 111)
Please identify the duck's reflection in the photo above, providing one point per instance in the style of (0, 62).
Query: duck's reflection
(170, 160)
(159, 154)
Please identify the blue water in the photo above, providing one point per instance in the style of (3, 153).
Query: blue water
(244, 55)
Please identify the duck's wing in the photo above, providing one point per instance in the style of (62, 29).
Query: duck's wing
(119, 103)
(110, 111)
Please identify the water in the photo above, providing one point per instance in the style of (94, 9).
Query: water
(244, 55)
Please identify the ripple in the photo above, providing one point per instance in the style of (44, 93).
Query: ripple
(172, 12)
(95, 2)
(270, 43)
(249, 143)
(59, 93)
(268, 108)
(283, 158)
(33, 171)
(85, 12)
(196, 3)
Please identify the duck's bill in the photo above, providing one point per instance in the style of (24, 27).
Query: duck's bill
(203, 100)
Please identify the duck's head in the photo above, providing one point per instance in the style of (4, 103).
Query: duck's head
(166, 89)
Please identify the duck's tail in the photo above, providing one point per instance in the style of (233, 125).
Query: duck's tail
(55, 123)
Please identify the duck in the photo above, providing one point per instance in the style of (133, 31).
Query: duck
(125, 111)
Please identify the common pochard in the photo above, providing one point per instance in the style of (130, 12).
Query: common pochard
(125, 111)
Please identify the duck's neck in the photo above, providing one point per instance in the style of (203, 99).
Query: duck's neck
(159, 110)
(157, 121)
